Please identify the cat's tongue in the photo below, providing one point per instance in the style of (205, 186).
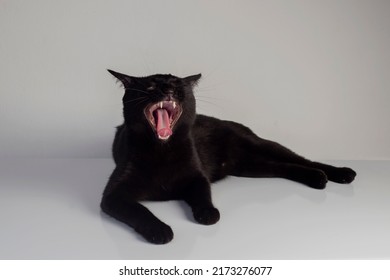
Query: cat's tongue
(163, 125)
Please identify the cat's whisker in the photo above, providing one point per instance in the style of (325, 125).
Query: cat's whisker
(210, 88)
(137, 90)
(209, 97)
(137, 101)
(208, 102)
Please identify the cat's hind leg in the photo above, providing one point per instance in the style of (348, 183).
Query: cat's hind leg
(341, 175)
(256, 157)
(279, 153)
(312, 177)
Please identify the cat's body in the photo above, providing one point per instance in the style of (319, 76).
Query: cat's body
(165, 151)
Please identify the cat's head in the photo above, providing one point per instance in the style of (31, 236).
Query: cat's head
(162, 103)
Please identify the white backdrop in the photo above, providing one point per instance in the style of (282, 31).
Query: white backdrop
(312, 75)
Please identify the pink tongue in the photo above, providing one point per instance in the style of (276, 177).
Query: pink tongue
(163, 125)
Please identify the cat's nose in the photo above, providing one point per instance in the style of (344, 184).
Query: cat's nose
(170, 96)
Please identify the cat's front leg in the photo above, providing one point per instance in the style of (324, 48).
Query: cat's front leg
(138, 217)
(198, 196)
(120, 202)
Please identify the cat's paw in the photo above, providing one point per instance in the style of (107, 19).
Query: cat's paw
(342, 175)
(157, 233)
(206, 215)
(317, 179)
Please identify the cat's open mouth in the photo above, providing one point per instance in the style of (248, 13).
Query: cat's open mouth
(162, 117)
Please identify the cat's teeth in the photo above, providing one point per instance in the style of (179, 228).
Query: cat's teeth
(161, 105)
(174, 104)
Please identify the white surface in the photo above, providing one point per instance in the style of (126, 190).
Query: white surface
(312, 75)
(296, 72)
(49, 209)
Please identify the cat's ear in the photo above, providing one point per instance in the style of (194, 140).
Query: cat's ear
(192, 80)
(126, 80)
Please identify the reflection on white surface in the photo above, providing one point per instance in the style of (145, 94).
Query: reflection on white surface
(49, 209)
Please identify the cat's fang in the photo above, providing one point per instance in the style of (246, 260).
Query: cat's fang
(174, 105)
(161, 105)
(163, 137)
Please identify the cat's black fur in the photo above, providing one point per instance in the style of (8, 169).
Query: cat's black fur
(198, 150)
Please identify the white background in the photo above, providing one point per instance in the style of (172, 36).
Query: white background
(312, 75)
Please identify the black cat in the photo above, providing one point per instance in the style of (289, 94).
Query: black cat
(165, 151)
